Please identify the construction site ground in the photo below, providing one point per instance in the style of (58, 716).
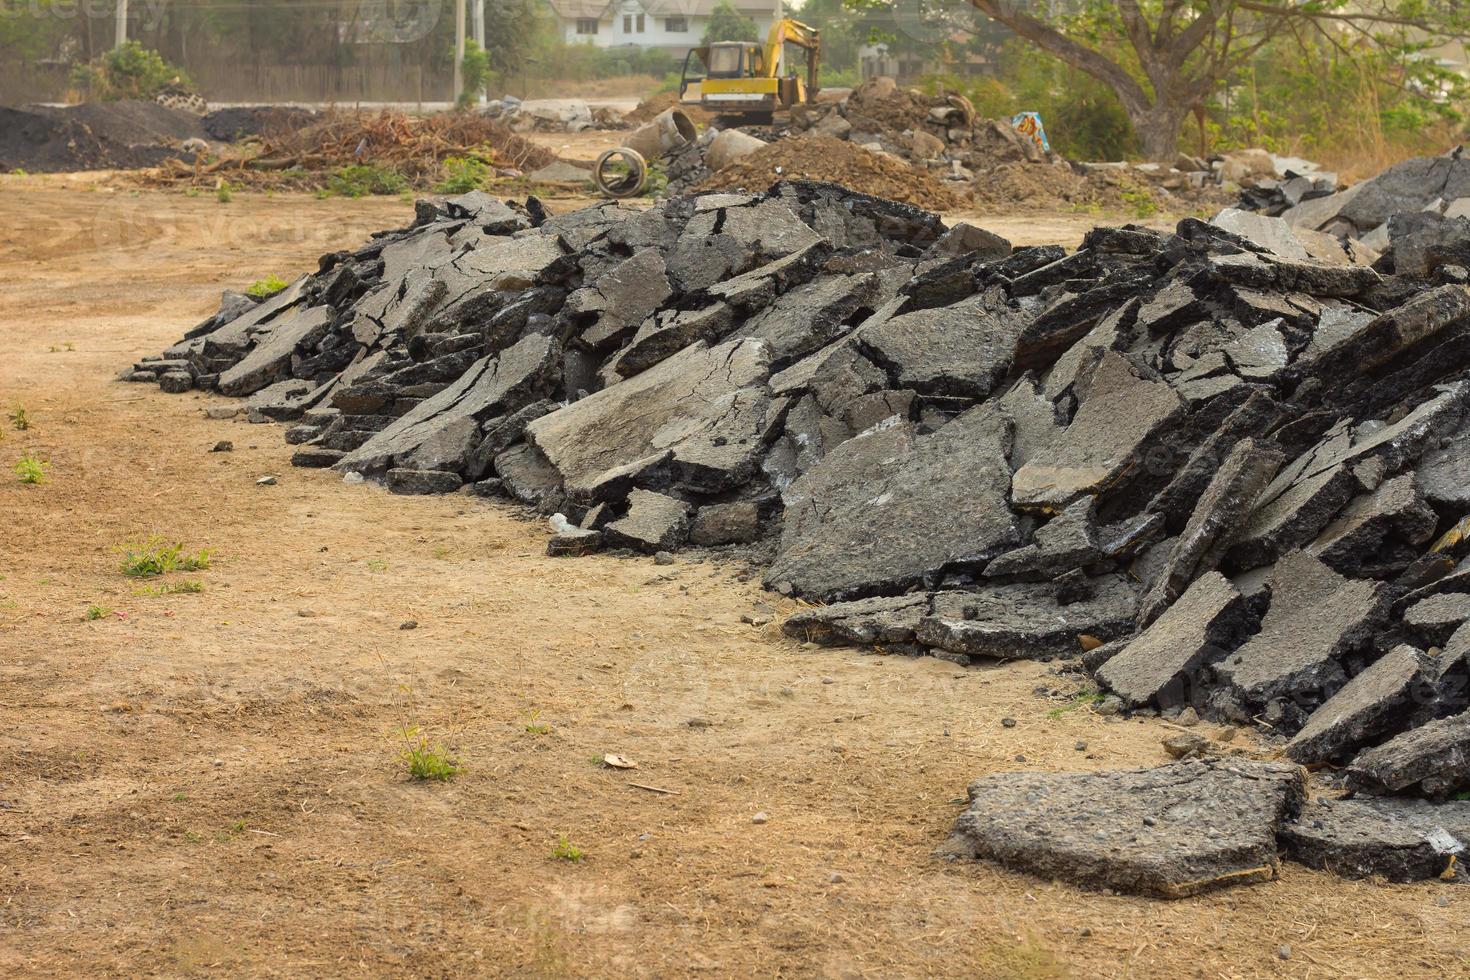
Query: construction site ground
(211, 783)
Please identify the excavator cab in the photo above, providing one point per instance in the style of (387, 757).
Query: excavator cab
(740, 78)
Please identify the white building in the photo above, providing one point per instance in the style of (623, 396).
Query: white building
(675, 25)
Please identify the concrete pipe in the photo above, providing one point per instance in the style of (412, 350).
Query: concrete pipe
(662, 134)
(620, 172)
(730, 145)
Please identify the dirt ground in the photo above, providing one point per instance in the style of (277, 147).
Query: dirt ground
(211, 784)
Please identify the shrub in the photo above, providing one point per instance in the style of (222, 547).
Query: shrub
(360, 180)
(462, 175)
(130, 71)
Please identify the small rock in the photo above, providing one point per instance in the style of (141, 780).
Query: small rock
(1185, 744)
(1008, 723)
(223, 446)
(1283, 951)
(266, 481)
(1110, 705)
(760, 817)
(699, 723)
(1020, 758)
(1188, 717)
(663, 558)
(412, 624)
(1080, 746)
(829, 680)
(306, 613)
(836, 878)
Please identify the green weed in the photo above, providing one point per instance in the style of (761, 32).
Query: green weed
(462, 175)
(30, 469)
(360, 180)
(156, 557)
(224, 194)
(565, 850)
(19, 419)
(270, 285)
(534, 726)
(425, 760)
(95, 612)
(1078, 701)
(188, 586)
(377, 566)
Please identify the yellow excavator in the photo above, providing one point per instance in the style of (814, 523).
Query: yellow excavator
(742, 78)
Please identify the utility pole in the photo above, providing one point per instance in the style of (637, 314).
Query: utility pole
(122, 23)
(477, 21)
(458, 48)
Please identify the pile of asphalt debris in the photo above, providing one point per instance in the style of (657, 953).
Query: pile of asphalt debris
(1223, 470)
(1419, 192)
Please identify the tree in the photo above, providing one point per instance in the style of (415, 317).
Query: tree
(728, 24)
(1165, 58)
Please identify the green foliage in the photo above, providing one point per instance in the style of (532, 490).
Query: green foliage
(728, 24)
(585, 62)
(360, 180)
(462, 175)
(269, 286)
(129, 72)
(224, 194)
(1084, 120)
(156, 557)
(188, 586)
(475, 73)
(96, 612)
(1351, 96)
(533, 724)
(19, 419)
(565, 850)
(425, 760)
(30, 469)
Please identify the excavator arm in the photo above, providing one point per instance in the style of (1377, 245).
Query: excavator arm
(809, 39)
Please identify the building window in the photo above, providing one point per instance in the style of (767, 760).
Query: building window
(627, 23)
(640, 23)
(676, 25)
(586, 25)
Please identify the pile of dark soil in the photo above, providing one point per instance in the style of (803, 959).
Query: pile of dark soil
(271, 121)
(837, 161)
(93, 136)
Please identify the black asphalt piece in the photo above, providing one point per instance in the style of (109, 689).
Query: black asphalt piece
(1392, 839)
(1433, 759)
(1169, 832)
(1166, 665)
(1369, 706)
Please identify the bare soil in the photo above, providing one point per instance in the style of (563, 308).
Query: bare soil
(210, 783)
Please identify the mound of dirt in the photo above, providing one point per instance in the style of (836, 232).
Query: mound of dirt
(271, 121)
(651, 107)
(1050, 188)
(93, 136)
(836, 161)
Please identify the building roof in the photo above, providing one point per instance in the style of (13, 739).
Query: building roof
(579, 9)
(596, 9)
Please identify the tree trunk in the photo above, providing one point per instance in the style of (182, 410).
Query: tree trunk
(1157, 127)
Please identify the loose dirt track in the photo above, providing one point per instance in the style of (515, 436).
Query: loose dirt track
(209, 783)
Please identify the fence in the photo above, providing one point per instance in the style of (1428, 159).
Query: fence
(250, 82)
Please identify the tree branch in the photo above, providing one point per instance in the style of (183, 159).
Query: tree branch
(1077, 55)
